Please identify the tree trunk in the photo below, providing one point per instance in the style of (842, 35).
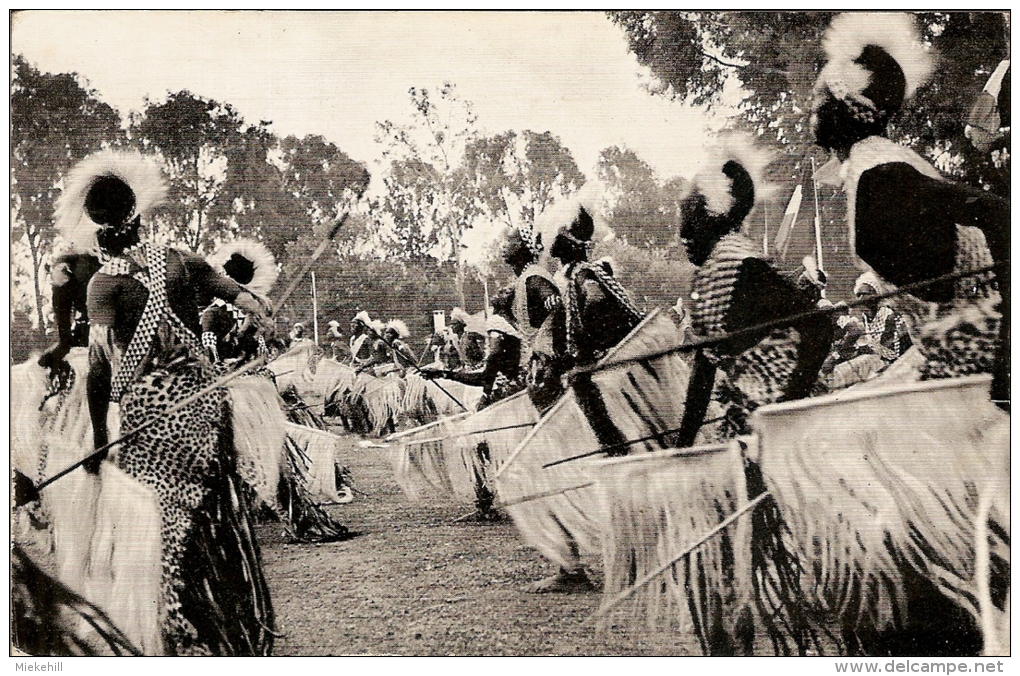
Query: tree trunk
(33, 247)
(198, 233)
(460, 283)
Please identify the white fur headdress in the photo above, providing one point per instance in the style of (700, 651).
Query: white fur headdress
(459, 315)
(869, 278)
(398, 326)
(476, 324)
(561, 212)
(850, 33)
(363, 318)
(141, 173)
(717, 187)
(266, 272)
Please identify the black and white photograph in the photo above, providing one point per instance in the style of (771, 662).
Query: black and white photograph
(671, 334)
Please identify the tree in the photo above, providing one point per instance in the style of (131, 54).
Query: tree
(640, 209)
(260, 205)
(322, 177)
(425, 209)
(56, 120)
(516, 177)
(194, 135)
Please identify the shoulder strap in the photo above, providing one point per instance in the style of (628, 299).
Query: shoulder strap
(157, 309)
(714, 283)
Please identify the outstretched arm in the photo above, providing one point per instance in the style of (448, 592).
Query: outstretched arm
(484, 374)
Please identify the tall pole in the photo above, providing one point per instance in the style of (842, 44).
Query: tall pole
(315, 311)
(765, 240)
(818, 223)
(818, 218)
(485, 283)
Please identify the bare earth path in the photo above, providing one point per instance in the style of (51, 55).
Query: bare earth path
(415, 583)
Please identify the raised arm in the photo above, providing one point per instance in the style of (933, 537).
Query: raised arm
(484, 374)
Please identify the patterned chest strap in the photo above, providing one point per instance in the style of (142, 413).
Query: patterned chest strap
(157, 309)
(714, 283)
(610, 285)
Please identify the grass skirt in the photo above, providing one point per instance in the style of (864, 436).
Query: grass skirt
(214, 598)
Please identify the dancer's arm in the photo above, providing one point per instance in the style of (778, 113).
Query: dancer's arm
(762, 295)
(98, 387)
(699, 394)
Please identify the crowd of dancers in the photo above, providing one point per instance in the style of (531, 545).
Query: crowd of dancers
(162, 328)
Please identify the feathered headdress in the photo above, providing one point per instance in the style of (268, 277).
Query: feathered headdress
(732, 179)
(475, 324)
(398, 326)
(459, 315)
(247, 262)
(110, 187)
(378, 326)
(523, 235)
(498, 323)
(875, 60)
(869, 278)
(363, 318)
(564, 213)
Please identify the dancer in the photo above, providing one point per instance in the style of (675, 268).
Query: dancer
(143, 307)
(906, 222)
(735, 288)
(228, 333)
(539, 316)
(599, 312)
(395, 335)
(359, 341)
(499, 374)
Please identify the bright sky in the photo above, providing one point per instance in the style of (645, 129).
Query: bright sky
(336, 74)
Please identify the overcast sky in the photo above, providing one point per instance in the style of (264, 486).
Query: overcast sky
(336, 74)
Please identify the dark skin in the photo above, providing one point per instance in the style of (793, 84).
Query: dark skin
(70, 274)
(406, 353)
(906, 225)
(606, 321)
(502, 356)
(760, 295)
(115, 306)
(543, 296)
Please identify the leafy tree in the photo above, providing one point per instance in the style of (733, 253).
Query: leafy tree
(259, 204)
(322, 177)
(515, 177)
(194, 135)
(425, 209)
(640, 209)
(56, 120)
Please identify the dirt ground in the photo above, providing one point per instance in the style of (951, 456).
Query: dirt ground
(413, 582)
